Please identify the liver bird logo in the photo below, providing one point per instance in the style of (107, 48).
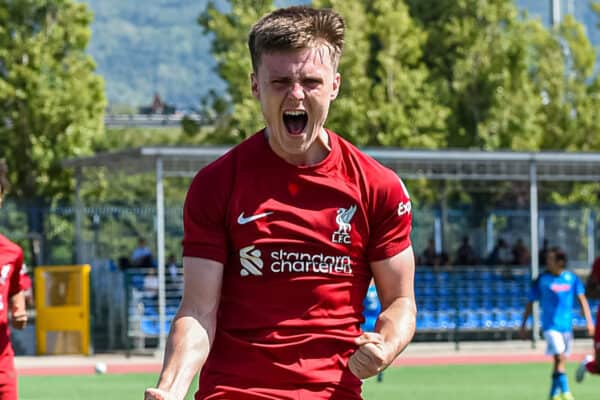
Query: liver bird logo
(343, 218)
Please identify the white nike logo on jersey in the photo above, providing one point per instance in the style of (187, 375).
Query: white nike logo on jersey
(244, 220)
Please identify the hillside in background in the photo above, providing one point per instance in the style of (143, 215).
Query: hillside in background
(157, 46)
(153, 46)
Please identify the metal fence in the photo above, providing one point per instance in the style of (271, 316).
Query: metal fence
(454, 302)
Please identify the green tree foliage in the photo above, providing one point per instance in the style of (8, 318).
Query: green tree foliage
(510, 82)
(51, 102)
(385, 97)
(144, 47)
(229, 47)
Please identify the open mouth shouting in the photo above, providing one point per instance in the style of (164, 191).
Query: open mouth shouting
(295, 121)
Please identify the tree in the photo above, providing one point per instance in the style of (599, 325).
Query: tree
(510, 82)
(386, 98)
(229, 33)
(51, 102)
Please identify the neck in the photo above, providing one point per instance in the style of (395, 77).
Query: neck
(317, 152)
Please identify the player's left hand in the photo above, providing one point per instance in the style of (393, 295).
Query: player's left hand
(371, 357)
(19, 321)
(591, 329)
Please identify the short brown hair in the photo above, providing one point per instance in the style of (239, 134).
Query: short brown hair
(3, 176)
(559, 254)
(297, 27)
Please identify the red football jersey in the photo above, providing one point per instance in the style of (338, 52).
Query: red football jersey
(11, 261)
(296, 243)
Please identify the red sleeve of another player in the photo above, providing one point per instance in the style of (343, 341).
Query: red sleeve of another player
(391, 218)
(204, 232)
(15, 277)
(596, 269)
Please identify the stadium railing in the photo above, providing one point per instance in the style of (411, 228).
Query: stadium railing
(141, 290)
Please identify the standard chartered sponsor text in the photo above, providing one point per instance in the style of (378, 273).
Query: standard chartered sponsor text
(284, 261)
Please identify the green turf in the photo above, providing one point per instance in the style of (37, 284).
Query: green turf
(460, 382)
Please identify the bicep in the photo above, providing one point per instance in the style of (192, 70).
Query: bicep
(202, 286)
(394, 276)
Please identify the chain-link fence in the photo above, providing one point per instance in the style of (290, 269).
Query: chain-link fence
(454, 301)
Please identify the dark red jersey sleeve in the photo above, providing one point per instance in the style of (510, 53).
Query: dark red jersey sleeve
(204, 213)
(15, 277)
(391, 217)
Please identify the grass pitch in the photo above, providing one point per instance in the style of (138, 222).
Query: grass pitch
(448, 382)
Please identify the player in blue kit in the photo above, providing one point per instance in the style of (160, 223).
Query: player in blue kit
(555, 289)
(371, 312)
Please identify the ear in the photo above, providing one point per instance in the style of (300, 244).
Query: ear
(254, 85)
(337, 80)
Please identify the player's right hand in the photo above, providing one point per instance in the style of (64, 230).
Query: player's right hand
(370, 357)
(158, 394)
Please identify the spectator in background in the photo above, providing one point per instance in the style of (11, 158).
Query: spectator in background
(124, 263)
(151, 285)
(429, 257)
(591, 363)
(173, 268)
(556, 289)
(501, 254)
(465, 255)
(141, 257)
(174, 276)
(12, 301)
(520, 253)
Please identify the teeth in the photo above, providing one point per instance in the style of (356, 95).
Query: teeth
(295, 113)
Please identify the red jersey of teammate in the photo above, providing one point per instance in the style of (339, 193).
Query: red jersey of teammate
(296, 243)
(596, 269)
(11, 261)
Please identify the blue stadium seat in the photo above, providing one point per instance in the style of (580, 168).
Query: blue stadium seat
(469, 320)
(149, 326)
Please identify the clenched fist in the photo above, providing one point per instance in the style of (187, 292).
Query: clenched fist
(371, 357)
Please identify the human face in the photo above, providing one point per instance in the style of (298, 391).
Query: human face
(554, 266)
(295, 89)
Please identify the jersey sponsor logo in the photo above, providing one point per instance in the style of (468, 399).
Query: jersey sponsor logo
(4, 273)
(282, 261)
(560, 287)
(251, 262)
(293, 261)
(343, 218)
(404, 208)
(244, 220)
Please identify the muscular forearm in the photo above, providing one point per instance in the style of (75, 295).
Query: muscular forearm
(17, 303)
(187, 348)
(396, 324)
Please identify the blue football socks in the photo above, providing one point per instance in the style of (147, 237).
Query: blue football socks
(555, 388)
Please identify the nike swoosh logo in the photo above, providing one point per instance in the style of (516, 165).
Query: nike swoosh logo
(244, 220)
